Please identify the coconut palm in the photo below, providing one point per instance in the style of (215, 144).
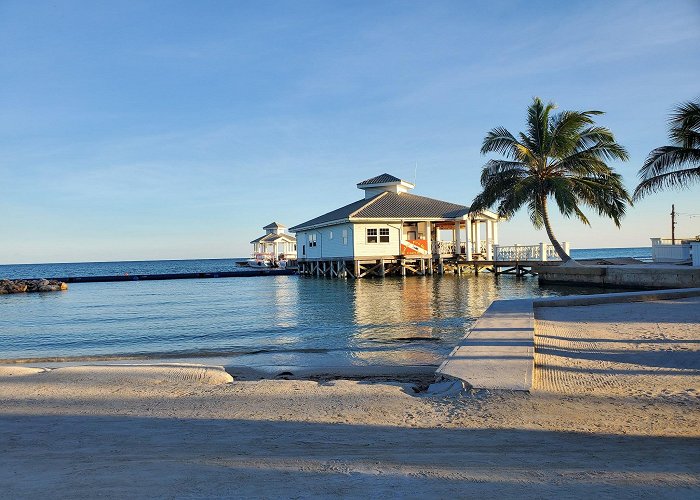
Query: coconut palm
(562, 157)
(677, 165)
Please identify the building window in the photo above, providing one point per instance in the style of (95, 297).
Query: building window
(330, 235)
(312, 240)
(345, 236)
(371, 235)
(384, 235)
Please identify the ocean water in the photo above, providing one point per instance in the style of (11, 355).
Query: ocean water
(641, 253)
(72, 269)
(279, 321)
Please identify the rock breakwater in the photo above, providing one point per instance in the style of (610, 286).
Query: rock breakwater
(23, 286)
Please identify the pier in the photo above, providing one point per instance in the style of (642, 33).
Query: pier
(518, 260)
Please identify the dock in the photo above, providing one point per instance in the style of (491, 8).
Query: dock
(417, 266)
(499, 350)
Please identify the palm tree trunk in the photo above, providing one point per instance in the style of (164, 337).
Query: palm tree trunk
(548, 227)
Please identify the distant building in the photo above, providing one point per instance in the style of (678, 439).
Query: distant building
(275, 244)
(389, 223)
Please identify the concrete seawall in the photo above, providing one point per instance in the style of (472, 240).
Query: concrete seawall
(652, 276)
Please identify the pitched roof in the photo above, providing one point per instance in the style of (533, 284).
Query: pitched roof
(409, 206)
(274, 225)
(390, 206)
(274, 237)
(380, 179)
(338, 214)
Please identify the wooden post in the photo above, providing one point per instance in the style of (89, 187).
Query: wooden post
(357, 268)
(382, 270)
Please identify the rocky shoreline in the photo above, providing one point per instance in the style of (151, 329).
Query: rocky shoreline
(24, 286)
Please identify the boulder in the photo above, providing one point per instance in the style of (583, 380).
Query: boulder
(21, 286)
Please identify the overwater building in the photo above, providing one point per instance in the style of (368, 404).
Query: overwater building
(274, 246)
(392, 231)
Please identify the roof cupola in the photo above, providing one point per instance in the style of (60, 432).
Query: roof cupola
(385, 182)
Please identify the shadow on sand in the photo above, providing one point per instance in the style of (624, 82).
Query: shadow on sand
(145, 457)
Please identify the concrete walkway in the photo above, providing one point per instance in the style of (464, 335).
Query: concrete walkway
(498, 352)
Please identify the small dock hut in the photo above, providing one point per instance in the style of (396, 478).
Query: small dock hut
(275, 244)
(392, 231)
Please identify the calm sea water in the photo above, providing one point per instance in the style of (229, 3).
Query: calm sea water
(281, 320)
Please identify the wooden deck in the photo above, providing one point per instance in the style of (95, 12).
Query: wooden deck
(407, 265)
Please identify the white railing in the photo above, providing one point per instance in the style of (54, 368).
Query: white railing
(444, 247)
(541, 252)
(664, 250)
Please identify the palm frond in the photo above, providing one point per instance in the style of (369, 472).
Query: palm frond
(499, 140)
(674, 179)
(538, 124)
(678, 164)
(665, 158)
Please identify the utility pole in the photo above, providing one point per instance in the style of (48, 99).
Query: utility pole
(673, 224)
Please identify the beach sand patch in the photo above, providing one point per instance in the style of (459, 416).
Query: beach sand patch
(19, 371)
(142, 374)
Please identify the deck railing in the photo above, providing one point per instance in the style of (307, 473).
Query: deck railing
(540, 252)
(444, 247)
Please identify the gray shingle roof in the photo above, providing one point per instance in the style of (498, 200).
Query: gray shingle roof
(380, 179)
(337, 214)
(390, 206)
(274, 225)
(409, 206)
(274, 237)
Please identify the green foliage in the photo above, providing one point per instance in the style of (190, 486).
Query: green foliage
(562, 156)
(677, 165)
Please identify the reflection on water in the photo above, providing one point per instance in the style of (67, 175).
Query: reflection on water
(281, 319)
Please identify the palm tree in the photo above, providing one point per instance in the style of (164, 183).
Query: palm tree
(561, 156)
(677, 165)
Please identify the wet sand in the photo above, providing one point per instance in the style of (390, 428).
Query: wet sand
(614, 413)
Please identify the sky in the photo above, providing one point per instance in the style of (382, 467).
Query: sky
(166, 129)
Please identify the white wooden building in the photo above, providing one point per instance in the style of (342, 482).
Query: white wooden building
(391, 230)
(275, 244)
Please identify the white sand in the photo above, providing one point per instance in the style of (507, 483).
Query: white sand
(181, 431)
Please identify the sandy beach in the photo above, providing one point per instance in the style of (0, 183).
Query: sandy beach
(614, 413)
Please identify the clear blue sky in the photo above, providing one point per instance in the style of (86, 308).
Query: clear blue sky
(146, 130)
